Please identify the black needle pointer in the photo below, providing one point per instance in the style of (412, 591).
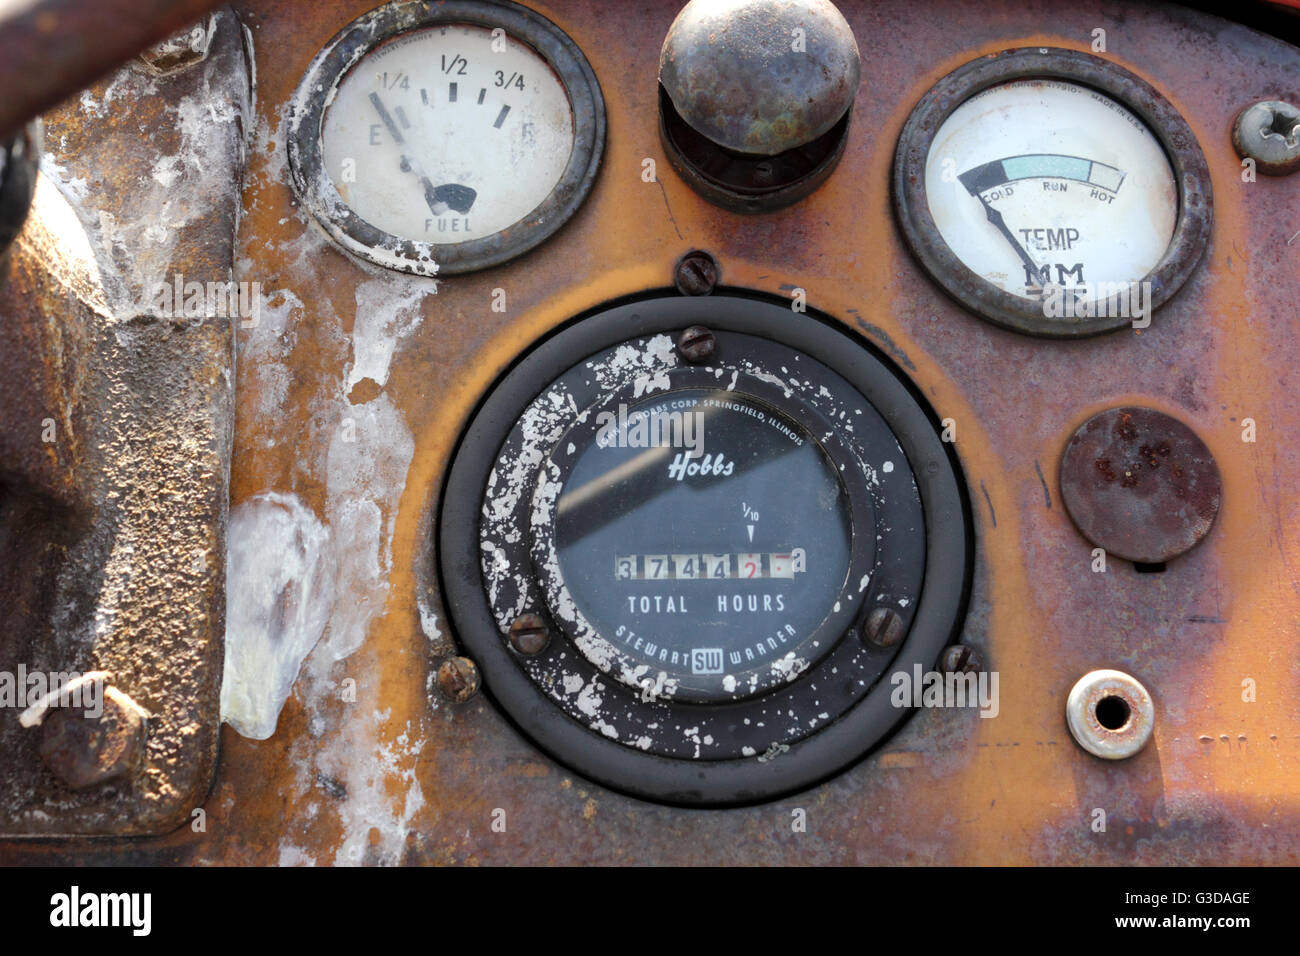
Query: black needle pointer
(995, 217)
(408, 164)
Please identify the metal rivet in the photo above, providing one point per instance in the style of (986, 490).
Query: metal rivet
(458, 679)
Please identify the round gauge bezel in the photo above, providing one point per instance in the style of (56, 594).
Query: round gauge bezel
(862, 551)
(348, 48)
(1191, 234)
(941, 527)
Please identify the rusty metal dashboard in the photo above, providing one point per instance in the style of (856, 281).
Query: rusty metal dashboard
(366, 540)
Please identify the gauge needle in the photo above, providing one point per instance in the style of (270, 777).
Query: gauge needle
(1033, 274)
(408, 163)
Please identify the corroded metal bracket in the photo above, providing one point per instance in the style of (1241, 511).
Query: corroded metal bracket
(116, 440)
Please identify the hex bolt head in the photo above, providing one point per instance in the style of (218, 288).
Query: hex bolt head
(696, 273)
(883, 627)
(1269, 133)
(961, 659)
(84, 751)
(529, 634)
(458, 679)
(697, 344)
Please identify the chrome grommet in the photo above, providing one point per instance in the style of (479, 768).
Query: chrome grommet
(1110, 714)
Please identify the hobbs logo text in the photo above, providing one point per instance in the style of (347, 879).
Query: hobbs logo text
(710, 466)
(75, 908)
(932, 689)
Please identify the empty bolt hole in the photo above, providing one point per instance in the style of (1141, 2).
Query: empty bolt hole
(1113, 712)
(1152, 568)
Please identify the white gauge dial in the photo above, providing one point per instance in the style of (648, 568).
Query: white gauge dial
(1042, 185)
(447, 134)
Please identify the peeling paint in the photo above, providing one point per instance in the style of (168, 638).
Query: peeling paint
(279, 595)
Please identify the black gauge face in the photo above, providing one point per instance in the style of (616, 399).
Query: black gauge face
(703, 541)
(678, 538)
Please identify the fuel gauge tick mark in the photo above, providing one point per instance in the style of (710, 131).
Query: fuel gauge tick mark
(451, 93)
(501, 117)
(481, 94)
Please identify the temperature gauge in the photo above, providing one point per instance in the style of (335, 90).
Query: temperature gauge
(1052, 192)
(462, 134)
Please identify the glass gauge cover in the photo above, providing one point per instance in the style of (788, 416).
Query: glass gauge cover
(1055, 184)
(1052, 192)
(434, 137)
(704, 542)
(461, 134)
(690, 556)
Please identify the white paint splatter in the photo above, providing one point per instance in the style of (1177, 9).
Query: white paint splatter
(279, 594)
(388, 310)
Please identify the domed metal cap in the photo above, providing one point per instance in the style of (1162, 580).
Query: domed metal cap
(760, 76)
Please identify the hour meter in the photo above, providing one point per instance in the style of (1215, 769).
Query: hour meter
(702, 544)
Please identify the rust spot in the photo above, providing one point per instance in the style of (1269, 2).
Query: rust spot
(1125, 428)
(366, 390)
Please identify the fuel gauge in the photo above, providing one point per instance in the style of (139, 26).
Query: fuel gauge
(1052, 192)
(460, 133)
